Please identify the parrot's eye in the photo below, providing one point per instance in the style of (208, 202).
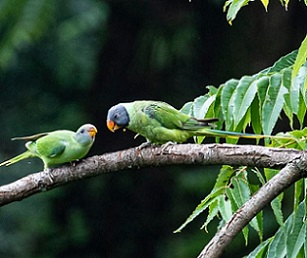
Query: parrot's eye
(115, 115)
(82, 131)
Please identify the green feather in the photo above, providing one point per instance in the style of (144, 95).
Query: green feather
(58, 147)
(159, 123)
(24, 155)
(228, 134)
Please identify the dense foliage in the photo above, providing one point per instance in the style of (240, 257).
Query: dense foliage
(258, 101)
(64, 63)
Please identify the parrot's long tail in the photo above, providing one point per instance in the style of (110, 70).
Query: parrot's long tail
(235, 135)
(24, 155)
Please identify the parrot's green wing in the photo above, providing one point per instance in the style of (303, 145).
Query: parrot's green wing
(165, 115)
(171, 118)
(50, 146)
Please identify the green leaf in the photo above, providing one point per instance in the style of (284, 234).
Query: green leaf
(255, 116)
(187, 108)
(241, 193)
(202, 106)
(277, 247)
(235, 196)
(303, 84)
(238, 195)
(198, 106)
(273, 103)
(244, 122)
(276, 205)
(260, 250)
(221, 183)
(209, 107)
(258, 225)
(298, 189)
(240, 190)
(269, 173)
(233, 9)
(202, 207)
(301, 111)
(217, 191)
(263, 84)
(259, 175)
(224, 176)
(265, 4)
(295, 231)
(284, 62)
(298, 142)
(212, 90)
(244, 95)
(225, 208)
(294, 94)
(226, 99)
(288, 240)
(300, 81)
(214, 209)
(217, 110)
(300, 241)
(300, 59)
(288, 97)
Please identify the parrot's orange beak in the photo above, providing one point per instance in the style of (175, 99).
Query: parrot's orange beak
(92, 131)
(112, 126)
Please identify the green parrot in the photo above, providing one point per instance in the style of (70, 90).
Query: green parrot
(57, 147)
(160, 123)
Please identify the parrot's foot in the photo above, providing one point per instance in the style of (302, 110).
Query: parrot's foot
(48, 172)
(42, 183)
(74, 163)
(166, 145)
(143, 145)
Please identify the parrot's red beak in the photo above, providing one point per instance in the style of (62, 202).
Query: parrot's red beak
(112, 126)
(92, 131)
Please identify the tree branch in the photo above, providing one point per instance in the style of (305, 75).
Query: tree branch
(206, 154)
(293, 161)
(286, 177)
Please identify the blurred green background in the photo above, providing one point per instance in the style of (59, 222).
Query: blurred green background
(64, 63)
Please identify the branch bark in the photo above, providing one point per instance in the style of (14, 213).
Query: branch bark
(293, 161)
(286, 177)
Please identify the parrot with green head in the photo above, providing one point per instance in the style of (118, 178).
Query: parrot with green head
(57, 147)
(160, 123)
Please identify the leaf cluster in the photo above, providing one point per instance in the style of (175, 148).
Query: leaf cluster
(257, 102)
(232, 7)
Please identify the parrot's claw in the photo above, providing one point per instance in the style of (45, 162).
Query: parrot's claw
(48, 171)
(143, 145)
(74, 163)
(41, 183)
(166, 145)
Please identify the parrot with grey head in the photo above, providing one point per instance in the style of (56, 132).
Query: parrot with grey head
(161, 123)
(57, 147)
